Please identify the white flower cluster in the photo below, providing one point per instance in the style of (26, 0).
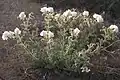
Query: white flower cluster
(114, 28)
(69, 13)
(7, 34)
(98, 17)
(47, 9)
(22, 16)
(85, 69)
(47, 34)
(10, 34)
(85, 13)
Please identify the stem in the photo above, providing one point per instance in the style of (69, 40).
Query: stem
(88, 22)
(68, 48)
(63, 39)
(25, 47)
(110, 45)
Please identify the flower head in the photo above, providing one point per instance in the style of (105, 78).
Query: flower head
(98, 17)
(74, 13)
(76, 32)
(67, 13)
(43, 33)
(114, 28)
(45, 9)
(85, 13)
(50, 34)
(17, 31)
(10, 34)
(47, 34)
(22, 16)
(95, 15)
(50, 9)
(5, 35)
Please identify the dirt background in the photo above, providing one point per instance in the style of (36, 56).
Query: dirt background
(12, 63)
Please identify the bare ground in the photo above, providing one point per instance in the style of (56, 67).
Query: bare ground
(12, 63)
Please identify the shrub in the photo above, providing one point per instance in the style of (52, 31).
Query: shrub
(68, 41)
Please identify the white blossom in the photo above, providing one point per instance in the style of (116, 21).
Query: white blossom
(45, 9)
(5, 35)
(67, 13)
(95, 15)
(47, 34)
(50, 34)
(43, 33)
(50, 9)
(85, 69)
(22, 16)
(98, 17)
(114, 28)
(76, 32)
(17, 31)
(10, 34)
(85, 13)
(74, 13)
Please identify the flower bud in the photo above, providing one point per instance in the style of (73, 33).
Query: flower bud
(47, 34)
